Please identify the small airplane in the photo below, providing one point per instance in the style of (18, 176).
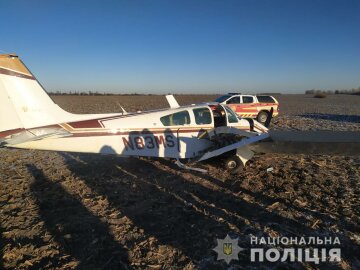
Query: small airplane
(29, 119)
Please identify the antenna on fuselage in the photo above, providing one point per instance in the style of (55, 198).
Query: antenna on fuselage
(123, 110)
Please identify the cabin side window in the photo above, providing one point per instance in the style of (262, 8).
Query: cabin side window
(176, 119)
(247, 99)
(202, 116)
(265, 99)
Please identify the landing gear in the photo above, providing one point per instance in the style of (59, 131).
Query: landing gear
(233, 164)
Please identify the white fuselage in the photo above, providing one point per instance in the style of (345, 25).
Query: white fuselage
(122, 135)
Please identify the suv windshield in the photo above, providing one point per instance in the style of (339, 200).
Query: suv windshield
(233, 100)
(222, 98)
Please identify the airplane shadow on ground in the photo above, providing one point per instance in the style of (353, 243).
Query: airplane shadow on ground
(2, 246)
(79, 233)
(333, 117)
(178, 210)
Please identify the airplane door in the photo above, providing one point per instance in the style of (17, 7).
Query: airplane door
(231, 118)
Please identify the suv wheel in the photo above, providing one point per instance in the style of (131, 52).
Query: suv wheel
(262, 116)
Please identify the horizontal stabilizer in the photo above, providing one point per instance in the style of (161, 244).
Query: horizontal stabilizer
(310, 142)
(34, 134)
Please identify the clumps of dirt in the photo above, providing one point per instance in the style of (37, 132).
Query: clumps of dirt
(67, 211)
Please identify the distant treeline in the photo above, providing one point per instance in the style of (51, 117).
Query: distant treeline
(353, 91)
(91, 93)
(96, 93)
(269, 94)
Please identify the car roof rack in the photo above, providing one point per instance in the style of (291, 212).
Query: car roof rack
(234, 93)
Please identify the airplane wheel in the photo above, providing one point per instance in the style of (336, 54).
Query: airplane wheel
(262, 116)
(233, 164)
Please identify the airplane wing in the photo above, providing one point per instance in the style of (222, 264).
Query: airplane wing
(310, 142)
(244, 142)
(288, 142)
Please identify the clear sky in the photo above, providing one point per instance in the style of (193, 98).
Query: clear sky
(186, 46)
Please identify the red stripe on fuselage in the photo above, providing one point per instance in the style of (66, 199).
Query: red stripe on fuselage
(140, 132)
(98, 122)
(86, 124)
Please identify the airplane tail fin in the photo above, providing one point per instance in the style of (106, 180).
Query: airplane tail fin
(24, 103)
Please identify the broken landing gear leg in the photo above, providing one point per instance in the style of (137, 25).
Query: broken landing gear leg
(183, 166)
(238, 161)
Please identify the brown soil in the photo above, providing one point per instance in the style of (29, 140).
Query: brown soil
(79, 211)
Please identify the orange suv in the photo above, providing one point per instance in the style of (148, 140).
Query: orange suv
(251, 106)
